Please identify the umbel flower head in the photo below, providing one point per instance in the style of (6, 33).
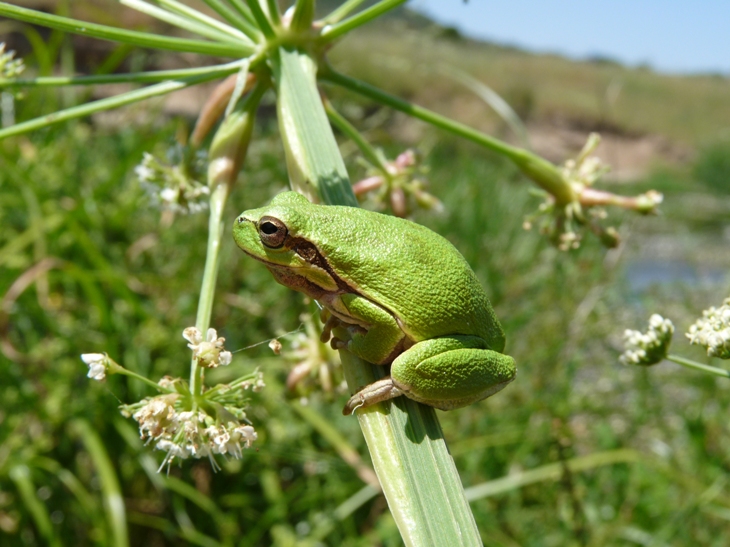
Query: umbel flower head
(712, 331)
(209, 350)
(174, 185)
(648, 348)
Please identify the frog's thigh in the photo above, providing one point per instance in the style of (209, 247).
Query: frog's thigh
(451, 372)
(383, 335)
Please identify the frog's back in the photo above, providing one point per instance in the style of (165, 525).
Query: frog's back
(410, 270)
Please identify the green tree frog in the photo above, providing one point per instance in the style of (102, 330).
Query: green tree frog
(406, 296)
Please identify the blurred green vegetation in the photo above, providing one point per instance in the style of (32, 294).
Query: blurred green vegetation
(86, 265)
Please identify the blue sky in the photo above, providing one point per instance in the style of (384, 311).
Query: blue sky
(676, 36)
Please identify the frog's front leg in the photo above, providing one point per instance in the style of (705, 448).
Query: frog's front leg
(446, 373)
(375, 335)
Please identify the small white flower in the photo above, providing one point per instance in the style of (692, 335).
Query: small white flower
(208, 351)
(97, 363)
(10, 67)
(648, 348)
(712, 331)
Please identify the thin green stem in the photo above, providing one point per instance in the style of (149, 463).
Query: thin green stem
(187, 11)
(140, 39)
(219, 33)
(216, 227)
(229, 144)
(367, 149)
(131, 77)
(234, 18)
(261, 20)
(365, 16)
(244, 12)
(102, 104)
(274, 15)
(698, 366)
(541, 171)
(342, 11)
(143, 379)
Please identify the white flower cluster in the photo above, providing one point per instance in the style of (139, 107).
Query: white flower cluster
(190, 434)
(585, 169)
(209, 350)
(170, 186)
(9, 66)
(98, 363)
(712, 331)
(650, 348)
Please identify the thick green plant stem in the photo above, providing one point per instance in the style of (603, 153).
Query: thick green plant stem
(541, 171)
(405, 440)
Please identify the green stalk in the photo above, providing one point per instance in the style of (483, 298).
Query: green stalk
(365, 16)
(405, 440)
(541, 171)
(261, 20)
(192, 21)
(227, 152)
(103, 104)
(342, 11)
(110, 489)
(303, 16)
(20, 475)
(698, 366)
(244, 12)
(131, 77)
(176, 20)
(235, 18)
(140, 39)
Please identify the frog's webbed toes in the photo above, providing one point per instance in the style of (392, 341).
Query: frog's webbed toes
(330, 322)
(379, 391)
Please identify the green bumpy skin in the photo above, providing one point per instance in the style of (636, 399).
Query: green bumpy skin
(406, 295)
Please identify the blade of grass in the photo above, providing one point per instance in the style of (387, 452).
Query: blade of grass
(550, 472)
(219, 33)
(365, 16)
(103, 104)
(493, 99)
(20, 475)
(406, 444)
(111, 491)
(140, 39)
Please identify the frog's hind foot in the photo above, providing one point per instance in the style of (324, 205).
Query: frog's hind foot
(379, 391)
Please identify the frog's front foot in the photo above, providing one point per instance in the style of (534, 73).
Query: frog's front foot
(379, 391)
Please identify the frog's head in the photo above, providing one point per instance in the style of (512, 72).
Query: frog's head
(277, 236)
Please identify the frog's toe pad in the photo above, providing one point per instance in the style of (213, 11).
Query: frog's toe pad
(379, 391)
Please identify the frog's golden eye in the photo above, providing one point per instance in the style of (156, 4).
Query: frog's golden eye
(272, 232)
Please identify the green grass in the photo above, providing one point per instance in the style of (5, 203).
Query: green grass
(125, 282)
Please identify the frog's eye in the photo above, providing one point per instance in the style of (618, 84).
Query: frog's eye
(272, 232)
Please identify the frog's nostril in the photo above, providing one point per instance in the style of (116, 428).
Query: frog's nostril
(240, 219)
